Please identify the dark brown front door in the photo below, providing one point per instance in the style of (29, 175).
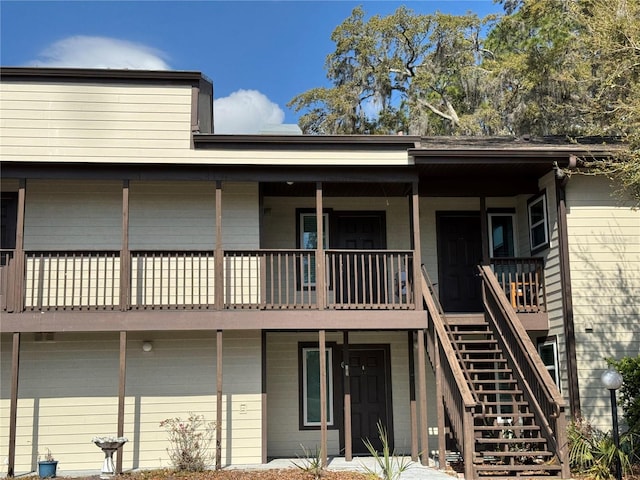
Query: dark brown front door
(459, 254)
(359, 231)
(370, 392)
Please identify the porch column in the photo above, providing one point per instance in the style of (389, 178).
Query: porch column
(219, 252)
(412, 396)
(417, 256)
(13, 413)
(323, 397)
(422, 379)
(442, 454)
(121, 393)
(125, 253)
(567, 297)
(320, 264)
(264, 397)
(18, 288)
(484, 231)
(348, 448)
(219, 399)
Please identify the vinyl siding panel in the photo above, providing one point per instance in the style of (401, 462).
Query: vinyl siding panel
(81, 122)
(69, 393)
(604, 245)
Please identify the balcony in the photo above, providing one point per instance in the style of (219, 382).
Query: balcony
(190, 280)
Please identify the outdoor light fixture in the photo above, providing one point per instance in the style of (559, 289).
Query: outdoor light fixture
(612, 381)
(147, 346)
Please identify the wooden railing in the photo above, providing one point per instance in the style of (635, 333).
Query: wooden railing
(256, 279)
(539, 389)
(459, 401)
(522, 281)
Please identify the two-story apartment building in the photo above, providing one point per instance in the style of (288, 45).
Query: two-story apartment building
(464, 291)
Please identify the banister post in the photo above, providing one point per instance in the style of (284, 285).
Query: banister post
(415, 241)
(125, 252)
(320, 263)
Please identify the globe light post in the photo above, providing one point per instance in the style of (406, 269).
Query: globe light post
(612, 381)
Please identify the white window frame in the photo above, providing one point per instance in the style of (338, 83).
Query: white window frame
(329, 353)
(513, 225)
(554, 369)
(544, 222)
(306, 271)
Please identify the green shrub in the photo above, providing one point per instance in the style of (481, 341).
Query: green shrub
(629, 368)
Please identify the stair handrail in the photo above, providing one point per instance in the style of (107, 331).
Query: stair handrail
(543, 395)
(458, 398)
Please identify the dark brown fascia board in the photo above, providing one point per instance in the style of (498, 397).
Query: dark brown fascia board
(103, 75)
(400, 142)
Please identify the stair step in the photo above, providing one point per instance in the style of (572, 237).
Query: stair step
(509, 415)
(490, 370)
(471, 332)
(527, 453)
(514, 468)
(475, 340)
(518, 403)
(466, 351)
(496, 380)
(512, 428)
(507, 441)
(515, 391)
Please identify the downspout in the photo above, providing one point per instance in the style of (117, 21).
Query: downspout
(565, 278)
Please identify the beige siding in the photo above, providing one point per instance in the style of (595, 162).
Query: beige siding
(69, 393)
(604, 245)
(81, 122)
(284, 434)
(73, 215)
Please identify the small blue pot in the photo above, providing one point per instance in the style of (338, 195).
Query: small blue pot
(47, 469)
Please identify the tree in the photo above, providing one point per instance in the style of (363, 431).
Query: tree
(404, 72)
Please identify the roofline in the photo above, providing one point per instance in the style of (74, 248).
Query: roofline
(254, 140)
(102, 74)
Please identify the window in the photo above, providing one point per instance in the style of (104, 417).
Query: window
(538, 223)
(502, 234)
(310, 380)
(548, 351)
(309, 241)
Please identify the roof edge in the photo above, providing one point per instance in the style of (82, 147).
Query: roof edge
(399, 141)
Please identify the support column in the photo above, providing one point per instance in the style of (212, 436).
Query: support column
(219, 399)
(348, 447)
(412, 396)
(323, 396)
(321, 291)
(264, 397)
(442, 454)
(219, 252)
(417, 255)
(125, 253)
(422, 382)
(17, 295)
(13, 409)
(121, 393)
(484, 231)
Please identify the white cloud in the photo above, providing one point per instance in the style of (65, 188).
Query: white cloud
(245, 111)
(100, 52)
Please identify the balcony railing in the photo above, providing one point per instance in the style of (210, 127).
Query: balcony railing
(522, 281)
(154, 280)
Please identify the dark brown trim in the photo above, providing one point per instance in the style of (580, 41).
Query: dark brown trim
(440, 413)
(416, 244)
(567, 298)
(413, 413)
(18, 292)
(122, 381)
(484, 231)
(321, 291)
(125, 253)
(374, 142)
(539, 248)
(322, 345)
(219, 399)
(13, 409)
(505, 154)
(219, 253)
(422, 385)
(85, 75)
(210, 320)
(265, 412)
(346, 436)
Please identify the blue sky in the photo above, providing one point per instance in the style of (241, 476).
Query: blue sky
(259, 54)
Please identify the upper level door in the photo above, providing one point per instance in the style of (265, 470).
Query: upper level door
(8, 220)
(459, 254)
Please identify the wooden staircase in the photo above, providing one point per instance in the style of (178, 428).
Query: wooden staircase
(507, 440)
(504, 413)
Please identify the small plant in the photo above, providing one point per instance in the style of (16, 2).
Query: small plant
(310, 463)
(190, 440)
(48, 457)
(592, 451)
(390, 465)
